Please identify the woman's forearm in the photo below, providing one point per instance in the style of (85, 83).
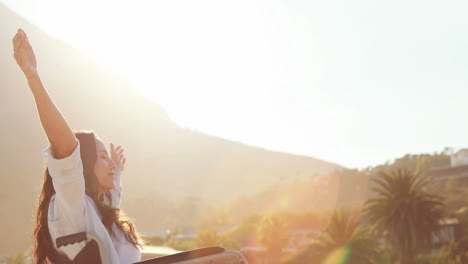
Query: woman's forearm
(59, 134)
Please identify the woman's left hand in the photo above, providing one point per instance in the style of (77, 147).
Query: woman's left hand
(117, 155)
(24, 54)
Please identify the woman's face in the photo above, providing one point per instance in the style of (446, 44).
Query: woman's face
(104, 167)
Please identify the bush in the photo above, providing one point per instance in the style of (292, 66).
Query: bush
(154, 240)
(208, 238)
(182, 245)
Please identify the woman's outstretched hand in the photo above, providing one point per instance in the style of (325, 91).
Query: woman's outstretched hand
(24, 54)
(117, 155)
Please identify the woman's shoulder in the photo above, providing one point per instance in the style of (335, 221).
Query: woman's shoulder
(64, 169)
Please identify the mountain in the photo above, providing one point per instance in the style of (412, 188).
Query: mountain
(166, 163)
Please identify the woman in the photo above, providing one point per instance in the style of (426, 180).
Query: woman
(81, 188)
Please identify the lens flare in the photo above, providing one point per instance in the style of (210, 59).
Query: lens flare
(338, 256)
(284, 201)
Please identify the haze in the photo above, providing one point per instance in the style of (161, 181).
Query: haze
(356, 83)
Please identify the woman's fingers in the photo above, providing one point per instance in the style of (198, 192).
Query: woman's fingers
(24, 54)
(20, 41)
(19, 49)
(14, 41)
(16, 37)
(19, 54)
(20, 45)
(17, 44)
(23, 33)
(118, 154)
(119, 150)
(113, 153)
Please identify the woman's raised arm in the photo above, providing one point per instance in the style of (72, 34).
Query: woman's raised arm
(60, 136)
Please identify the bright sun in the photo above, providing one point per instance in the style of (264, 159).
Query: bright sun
(206, 62)
(227, 68)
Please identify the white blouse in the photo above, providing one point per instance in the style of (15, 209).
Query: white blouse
(72, 211)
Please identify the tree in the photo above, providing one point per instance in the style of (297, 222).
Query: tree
(405, 212)
(456, 252)
(209, 238)
(273, 234)
(344, 241)
(18, 258)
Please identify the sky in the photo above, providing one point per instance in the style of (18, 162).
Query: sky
(358, 83)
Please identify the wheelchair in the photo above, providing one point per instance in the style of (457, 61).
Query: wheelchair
(93, 253)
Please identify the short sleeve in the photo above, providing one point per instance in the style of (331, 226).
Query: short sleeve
(68, 181)
(65, 168)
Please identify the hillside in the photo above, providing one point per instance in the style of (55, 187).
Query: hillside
(166, 163)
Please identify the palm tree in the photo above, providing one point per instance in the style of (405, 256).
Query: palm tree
(209, 238)
(273, 234)
(405, 212)
(342, 242)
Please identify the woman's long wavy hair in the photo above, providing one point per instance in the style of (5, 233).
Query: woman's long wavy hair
(44, 251)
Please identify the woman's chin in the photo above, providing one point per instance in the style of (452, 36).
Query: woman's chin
(106, 188)
(110, 187)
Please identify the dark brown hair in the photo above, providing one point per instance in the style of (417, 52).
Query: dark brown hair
(44, 251)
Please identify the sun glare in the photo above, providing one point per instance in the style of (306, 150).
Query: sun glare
(230, 69)
(338, 256)
(206, 62)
